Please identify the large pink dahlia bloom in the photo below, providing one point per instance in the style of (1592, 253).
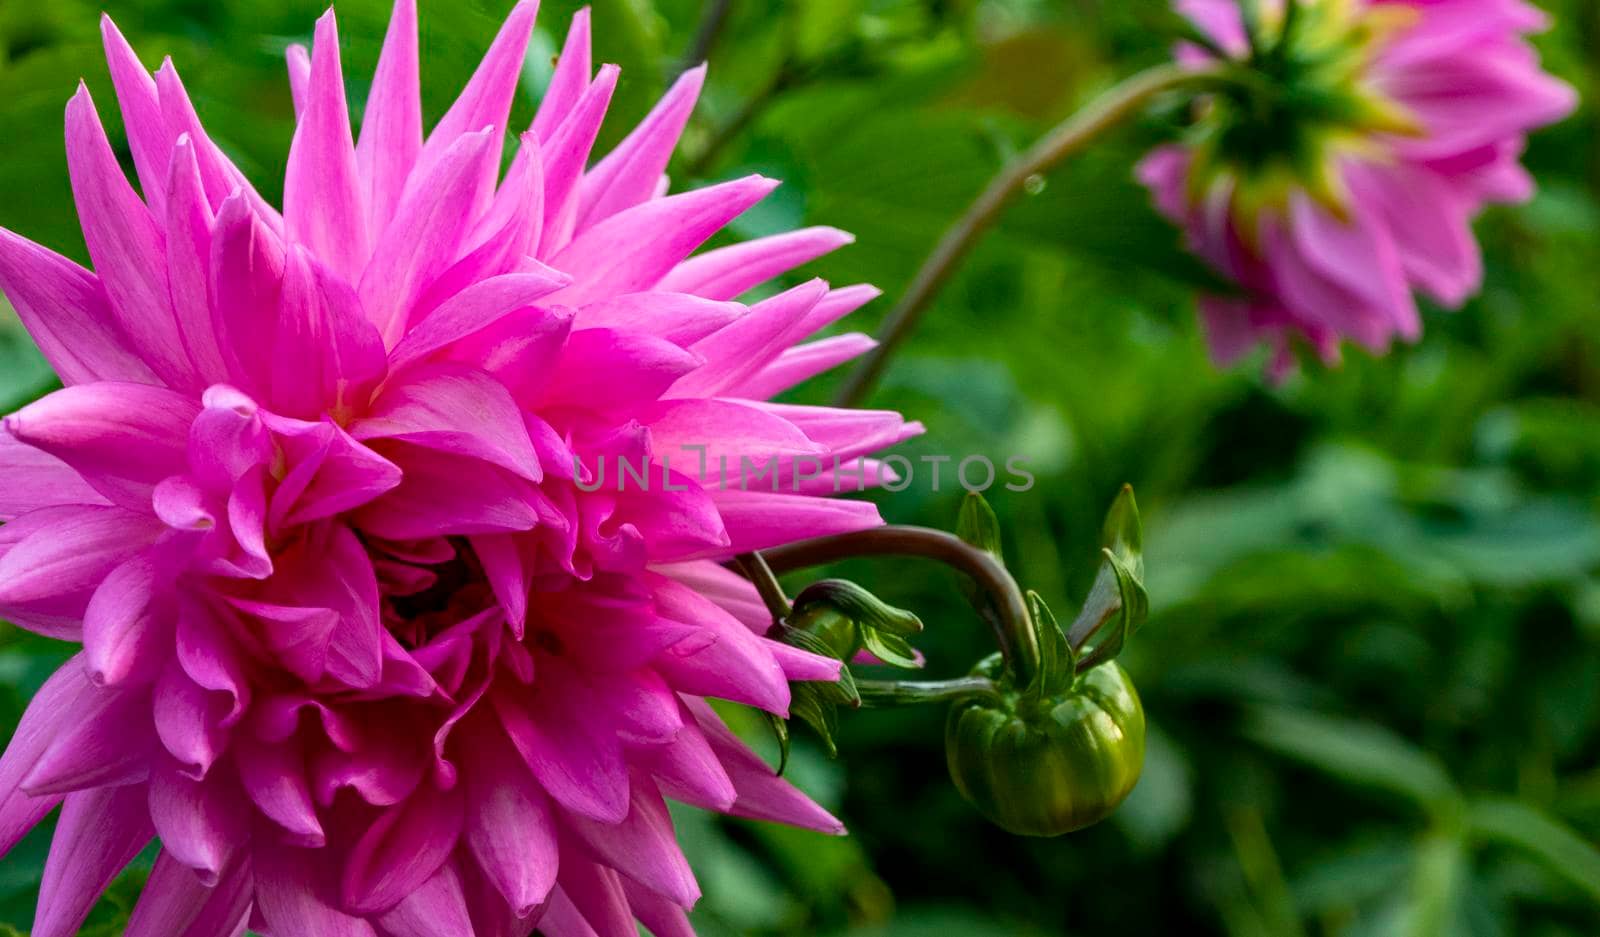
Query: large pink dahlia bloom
(372, 641)
(1395, 122)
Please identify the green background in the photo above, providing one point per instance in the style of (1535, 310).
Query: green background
(1373, 667)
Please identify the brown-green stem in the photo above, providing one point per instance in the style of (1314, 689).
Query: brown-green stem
(1110, 110)
(1013, 629)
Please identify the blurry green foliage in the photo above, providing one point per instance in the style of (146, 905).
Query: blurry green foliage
(1372, 671)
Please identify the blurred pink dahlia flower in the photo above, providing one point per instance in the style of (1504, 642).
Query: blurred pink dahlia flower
(1387, 126)
(371, 642)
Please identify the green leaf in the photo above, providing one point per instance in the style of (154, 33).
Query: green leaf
(977, 525)
(1553, 843)
(1058, 664)
(1118, 596)
(1360, 753)
(1123, 535)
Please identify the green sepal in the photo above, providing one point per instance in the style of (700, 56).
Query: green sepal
(780, 730)
(890, 648)
(869, 612)
(1117, 603)
(1058, 662)
(977, 525)
(812, 708)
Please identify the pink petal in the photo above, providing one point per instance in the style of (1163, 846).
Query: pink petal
(728, 272)
(58, 703)
(99, 832)
(141, 114)
(762, 794)
(274, 776)
(247, 261)
(445, 495)
(175, 902)
(401, 850)
(689, 771)
(190, 229)
(201, 823)
(471, 310)
(757, 520)
(122, 438)
(298, 60)
(602, 370)
(736, 666)
(566, 155)
(65, 309)
(127, 627)
(327, 356)
(803, 362)
(643, 847)
(455, 410)
(677, 317)
(36, 479)
(486, 100)
(611, 258)
(578, 762)
(295, 894)
(391, 132)
(509, 828)
(59, 557)
(125, 244)
(436, 908)
(738, 352)
(324, 205)
(629, 174)
(430, 224)
(571, 77)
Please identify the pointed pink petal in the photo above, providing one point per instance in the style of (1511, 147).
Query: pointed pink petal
(436, 908)
(712, 430)
(486, 100)
(298, 60)
(188, 718)
(402, 849)
(757, 520)
(689, 771)
(457, 410)
(324, 206)
(201, 823)
(566, 155)
(762, 794)
(36, 479)
(801, 363)
(596, 893)
(122, 438)
(603, 370)
(59, 556)
(519, 349)
(190, 229)
(571, 77)
(471, 310)
(172, 898)
(630, 173)
(98, 833)
(738, 352)
(57, 704)
(736, 666)
(391, 132)
(332, 473)
(611, 258)
(579, 764)
(247, 261)
(141, 115)
(327, 356)
(429, 226)
(445, 495)
(643, 847)
(274, 776)
(126, 245)
(728, 272)
(677, 317)
(509, 829)
(128, 625)
(295, 894)
(65, 309)
(662, 917)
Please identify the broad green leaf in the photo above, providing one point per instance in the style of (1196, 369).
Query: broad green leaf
(1359, 753)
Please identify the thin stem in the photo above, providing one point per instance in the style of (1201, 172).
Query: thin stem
(1110, 110)
(1013, 629)
(883, 693)
(707, 34)
(766, 582)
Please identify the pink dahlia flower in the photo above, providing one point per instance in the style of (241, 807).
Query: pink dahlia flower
(372, 641)
(1391, 124)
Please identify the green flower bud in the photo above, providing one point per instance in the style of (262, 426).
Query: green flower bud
(1043, 766)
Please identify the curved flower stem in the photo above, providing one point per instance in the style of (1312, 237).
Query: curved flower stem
(755, 569)
(1013, 629)
(883, 693)
(1110, 110)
